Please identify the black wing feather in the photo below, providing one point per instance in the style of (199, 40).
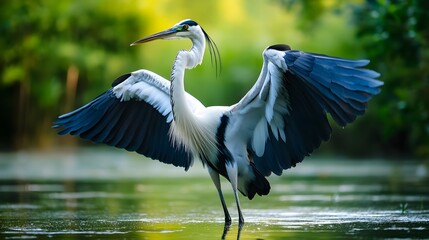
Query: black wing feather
(339, 85)
(133, 125)
(305, 127)
(316, 84)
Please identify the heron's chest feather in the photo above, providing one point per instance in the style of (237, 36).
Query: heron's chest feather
(195, 135)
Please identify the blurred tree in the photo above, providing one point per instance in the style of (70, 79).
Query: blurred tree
(51, 50)
(358, 139)
(57, 55)
(395, 35)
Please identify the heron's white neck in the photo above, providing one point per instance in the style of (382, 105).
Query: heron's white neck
(187, 128)
(184, 60)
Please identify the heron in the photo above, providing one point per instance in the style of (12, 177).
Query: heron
(278, 122)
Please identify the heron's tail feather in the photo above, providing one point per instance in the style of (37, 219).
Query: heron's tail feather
(256, 184)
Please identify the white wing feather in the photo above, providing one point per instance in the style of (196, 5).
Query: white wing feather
(153, 89)
(264, 106)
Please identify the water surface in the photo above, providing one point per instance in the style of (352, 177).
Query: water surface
(105, 194)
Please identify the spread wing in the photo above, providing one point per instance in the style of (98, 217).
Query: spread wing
(283, 117)
(135, 114)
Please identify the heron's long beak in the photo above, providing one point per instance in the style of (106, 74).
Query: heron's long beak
(161, 35)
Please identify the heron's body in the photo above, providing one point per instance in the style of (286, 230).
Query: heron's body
(275, 125)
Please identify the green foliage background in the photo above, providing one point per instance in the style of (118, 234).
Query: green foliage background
(58, 55)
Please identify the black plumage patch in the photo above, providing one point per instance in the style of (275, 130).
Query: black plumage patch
(189, 22)
(280, 47)
(224, 153)
(121, 79)
(259, 185)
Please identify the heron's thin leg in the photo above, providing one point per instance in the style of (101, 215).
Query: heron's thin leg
(216, 180)
(240, 215)
(232, 171)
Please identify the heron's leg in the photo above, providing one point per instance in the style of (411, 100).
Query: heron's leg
(231, 169)
(216, 180)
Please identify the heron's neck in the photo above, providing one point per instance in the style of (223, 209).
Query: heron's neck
(187, 128)
(194, 56)
(184, 60)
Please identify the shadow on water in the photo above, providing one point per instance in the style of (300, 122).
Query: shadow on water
(116, 195)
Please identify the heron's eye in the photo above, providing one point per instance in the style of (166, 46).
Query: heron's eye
(185, 27)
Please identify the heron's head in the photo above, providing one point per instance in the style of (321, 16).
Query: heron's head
(186, 29)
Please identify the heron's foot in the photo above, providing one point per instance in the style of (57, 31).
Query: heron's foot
(240, 227)
(226, 227)
(240, 220)
(228, 220)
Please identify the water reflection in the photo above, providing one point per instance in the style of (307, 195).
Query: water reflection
(185, 206)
